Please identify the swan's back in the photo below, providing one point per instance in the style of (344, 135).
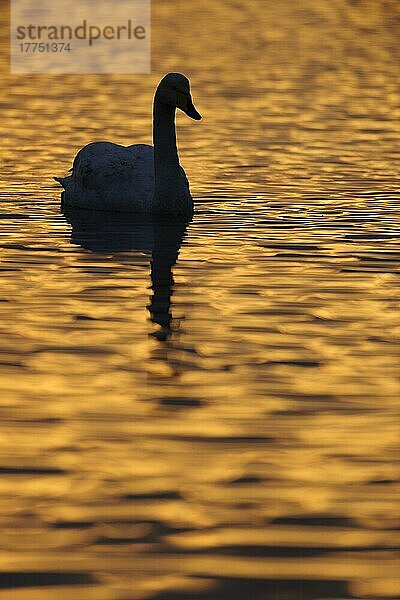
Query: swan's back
(107, 176)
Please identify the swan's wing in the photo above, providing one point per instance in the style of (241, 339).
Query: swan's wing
(102, 165)
(108, 176)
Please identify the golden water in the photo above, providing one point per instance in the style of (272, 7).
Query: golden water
(232, 432)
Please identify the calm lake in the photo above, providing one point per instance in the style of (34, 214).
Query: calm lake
(208, 411)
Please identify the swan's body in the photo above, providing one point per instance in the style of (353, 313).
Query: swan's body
(138, 178)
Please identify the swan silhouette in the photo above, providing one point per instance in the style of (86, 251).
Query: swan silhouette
(160, 240)
(138, 178)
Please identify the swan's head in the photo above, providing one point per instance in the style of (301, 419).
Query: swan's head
(174, 90)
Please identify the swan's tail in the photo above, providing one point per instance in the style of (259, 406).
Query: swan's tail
(64, 181)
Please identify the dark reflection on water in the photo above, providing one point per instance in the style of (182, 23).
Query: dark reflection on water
(247, 447)
(300, 589)
(104, 233)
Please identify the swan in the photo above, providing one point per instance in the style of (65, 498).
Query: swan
(138, 178)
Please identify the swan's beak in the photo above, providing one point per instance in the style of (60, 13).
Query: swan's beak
(185, 103)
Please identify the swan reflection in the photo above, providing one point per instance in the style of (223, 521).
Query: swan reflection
(161, 240)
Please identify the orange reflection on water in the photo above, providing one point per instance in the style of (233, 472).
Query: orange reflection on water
(209, 411)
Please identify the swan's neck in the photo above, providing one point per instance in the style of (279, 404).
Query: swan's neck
(171, 192)
(164, 139)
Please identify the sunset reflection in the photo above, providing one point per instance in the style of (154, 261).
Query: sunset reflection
(208, 410)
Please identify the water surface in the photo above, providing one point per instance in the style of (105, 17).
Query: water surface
(208, 410)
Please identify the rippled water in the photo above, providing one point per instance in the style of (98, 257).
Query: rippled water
(209, 412)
